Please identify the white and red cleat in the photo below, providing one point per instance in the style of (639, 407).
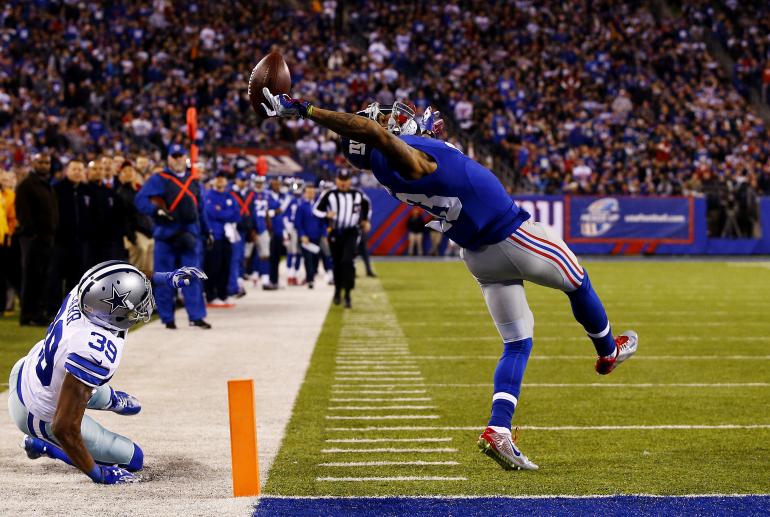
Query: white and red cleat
(625, 346)
(501, 447)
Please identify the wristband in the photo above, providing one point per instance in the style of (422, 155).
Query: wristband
(309, 111)
(96, 474)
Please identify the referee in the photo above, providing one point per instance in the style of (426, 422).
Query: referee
(347, 210)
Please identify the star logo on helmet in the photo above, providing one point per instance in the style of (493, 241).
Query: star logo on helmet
(117, 300)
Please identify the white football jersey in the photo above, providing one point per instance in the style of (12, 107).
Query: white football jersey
(71, 345)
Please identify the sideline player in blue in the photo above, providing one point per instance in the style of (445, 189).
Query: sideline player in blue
(223, 215)
(243, 195)
(501, 246)
(173, 199)
(261, 255)
(277, 204)
(293, 252)
(310, 230)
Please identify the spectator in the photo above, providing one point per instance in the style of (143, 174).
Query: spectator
(72, 255)
(138, 240)
(9, 252)
(38, 219)
(5, 241)
(415, 226)
(108, 216)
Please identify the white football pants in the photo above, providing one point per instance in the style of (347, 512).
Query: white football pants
(104, 445)
(533, 253)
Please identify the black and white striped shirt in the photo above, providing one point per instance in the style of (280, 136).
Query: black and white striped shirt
(350, 208)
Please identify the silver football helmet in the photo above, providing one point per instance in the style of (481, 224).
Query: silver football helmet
(115, 295)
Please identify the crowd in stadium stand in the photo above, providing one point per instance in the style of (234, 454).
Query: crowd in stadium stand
(743, 31)
(572, 96)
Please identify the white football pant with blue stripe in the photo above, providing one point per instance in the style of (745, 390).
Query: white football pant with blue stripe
(105, 446)
(533, 253)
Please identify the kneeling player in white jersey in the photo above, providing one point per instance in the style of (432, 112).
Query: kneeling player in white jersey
(501, 246)
(67, 372)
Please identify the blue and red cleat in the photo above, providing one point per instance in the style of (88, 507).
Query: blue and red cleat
(501, 447)
(625, 346)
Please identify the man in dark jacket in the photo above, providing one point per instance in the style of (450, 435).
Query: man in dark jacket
(38, 214)
(139, 226)
(72, 257)
(109, 214)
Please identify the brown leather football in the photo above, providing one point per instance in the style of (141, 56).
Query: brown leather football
(272, 72)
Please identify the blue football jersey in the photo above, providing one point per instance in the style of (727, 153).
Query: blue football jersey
(469, 202)
(259, 211)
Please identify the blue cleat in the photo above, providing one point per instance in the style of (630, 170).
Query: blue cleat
(124, 404)
(34, 447)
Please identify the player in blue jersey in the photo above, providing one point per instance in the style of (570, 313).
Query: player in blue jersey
(293, 254)
(277, 204)
(261, 237)
(501, 246)
(243, 195)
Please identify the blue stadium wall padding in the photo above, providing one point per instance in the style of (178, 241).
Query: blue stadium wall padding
(689, 237)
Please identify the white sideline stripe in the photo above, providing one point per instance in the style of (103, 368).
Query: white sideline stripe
(506, 496)
(372, 347)
(633, 324)
(384, 373)
(367, 355)
(391, 399)
(555, 428)
(368, 408)
(391, 449)
(353, 381)
(366, 361)
(383, 417)
(394, 478)
(621, 385)
(588, 357)
(384, 463)
(376, 365)
(375, 392)
(472, 339)
(378, 440)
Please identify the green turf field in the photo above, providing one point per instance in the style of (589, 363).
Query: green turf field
(15, 342)
(411, 368)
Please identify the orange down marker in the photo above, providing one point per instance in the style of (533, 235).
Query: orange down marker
(243, 437)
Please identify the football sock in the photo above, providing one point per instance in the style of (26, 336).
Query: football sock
(264, 267)
(507, 381)
(589, 312)
(290, 262)
(102, 398)
(53, 451)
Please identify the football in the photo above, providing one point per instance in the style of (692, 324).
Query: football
(273, 72)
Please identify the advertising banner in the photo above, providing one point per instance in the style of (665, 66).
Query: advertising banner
(666, 220)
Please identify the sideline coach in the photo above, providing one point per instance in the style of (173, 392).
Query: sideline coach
(347, 210)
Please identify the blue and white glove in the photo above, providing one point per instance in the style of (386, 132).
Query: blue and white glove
(181, 277)
(105, 475)
(432, 123)
(284, 106)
